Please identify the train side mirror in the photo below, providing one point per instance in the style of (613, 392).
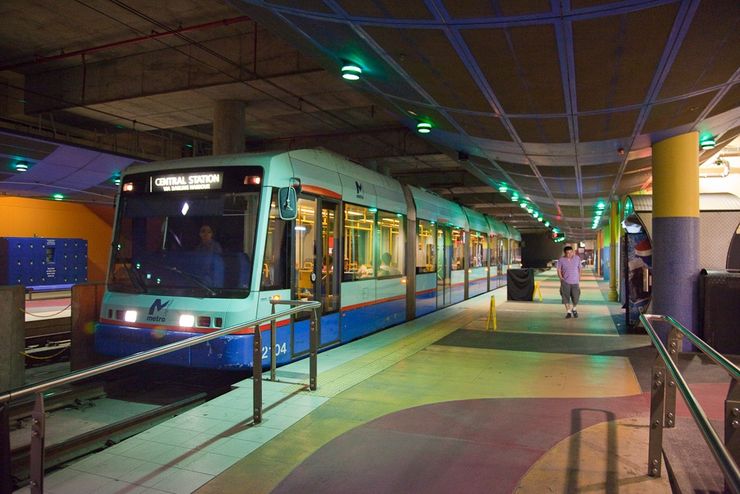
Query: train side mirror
(287, 203)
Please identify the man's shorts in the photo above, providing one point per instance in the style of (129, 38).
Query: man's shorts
(570, 292)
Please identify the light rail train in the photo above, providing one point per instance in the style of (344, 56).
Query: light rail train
(374, 252)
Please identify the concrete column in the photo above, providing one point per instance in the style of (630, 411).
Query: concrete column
(613, 254)
(229, 127)
(12, 337)
(676, 229)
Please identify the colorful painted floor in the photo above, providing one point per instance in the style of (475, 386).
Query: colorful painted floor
(439, 404)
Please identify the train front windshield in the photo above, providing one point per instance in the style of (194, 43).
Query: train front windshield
(197, 243)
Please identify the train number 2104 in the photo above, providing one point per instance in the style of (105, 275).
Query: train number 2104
(280, 349)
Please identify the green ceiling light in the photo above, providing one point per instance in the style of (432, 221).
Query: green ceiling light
(116, 178)
(547, 224)
(601, 205)
(423, 127)
(535, 214)
(515, 197)
(555, 230)
(523, 205)
(351, 71)
(707, 141)
(58, 197)
(539, 219)
(502, 188)
(21, 166)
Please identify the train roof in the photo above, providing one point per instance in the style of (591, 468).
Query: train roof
(477, 220)
(431, 207)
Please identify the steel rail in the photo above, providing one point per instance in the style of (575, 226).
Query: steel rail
(145, 355)
(720, 452)
(710, 352)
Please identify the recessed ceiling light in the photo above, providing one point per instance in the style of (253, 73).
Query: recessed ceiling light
(351, 72)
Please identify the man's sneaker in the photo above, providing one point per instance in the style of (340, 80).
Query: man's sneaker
(575, 313)
(568, 315)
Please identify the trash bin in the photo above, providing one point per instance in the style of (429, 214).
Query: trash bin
(520, 284)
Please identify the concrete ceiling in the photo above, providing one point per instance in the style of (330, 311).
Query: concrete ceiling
(558, 100)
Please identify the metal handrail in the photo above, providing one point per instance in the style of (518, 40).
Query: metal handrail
(39, 387)
(718, 449)
(38, 416)
(710, 352)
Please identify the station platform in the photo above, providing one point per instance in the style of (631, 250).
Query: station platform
(439, 404)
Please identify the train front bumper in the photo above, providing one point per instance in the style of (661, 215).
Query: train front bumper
(230, 352)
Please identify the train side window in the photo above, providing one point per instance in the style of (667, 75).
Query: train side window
(458, 249)
(359, 229)
(426, 247)
(478, 249)
(392, 233)
(276, 267)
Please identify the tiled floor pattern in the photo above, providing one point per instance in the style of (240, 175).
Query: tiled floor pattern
(388, 372)
(320, 450)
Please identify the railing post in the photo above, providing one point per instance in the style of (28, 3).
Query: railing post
(313, 367)
(732, 422)
(38, 432)
(6, 483)
(675, 340)
(273, 342)
(257, 376)
(657, 412)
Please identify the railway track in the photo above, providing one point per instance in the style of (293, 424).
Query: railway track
(154, 394)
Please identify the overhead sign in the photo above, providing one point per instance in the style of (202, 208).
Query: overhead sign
(187, 181)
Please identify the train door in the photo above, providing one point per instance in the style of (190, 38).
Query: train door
(328, 285)
(314, 267)
(444, 266)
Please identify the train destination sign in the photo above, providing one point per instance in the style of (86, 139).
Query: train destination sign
(187, 181)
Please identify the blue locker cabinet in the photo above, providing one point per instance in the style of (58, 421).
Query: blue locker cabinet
(42, 262)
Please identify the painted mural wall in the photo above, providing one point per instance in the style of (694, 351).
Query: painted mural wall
(20, 217)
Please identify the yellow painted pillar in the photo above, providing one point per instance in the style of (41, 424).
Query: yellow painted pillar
(613, 236)
(676, 228)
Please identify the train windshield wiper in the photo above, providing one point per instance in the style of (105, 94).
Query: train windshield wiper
(135, 278)
(192, 278)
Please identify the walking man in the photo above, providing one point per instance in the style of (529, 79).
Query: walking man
(569, 272)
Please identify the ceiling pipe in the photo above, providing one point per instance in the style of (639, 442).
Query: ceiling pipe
(115, 44)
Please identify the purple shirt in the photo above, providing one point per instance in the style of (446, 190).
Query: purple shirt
(570, 269)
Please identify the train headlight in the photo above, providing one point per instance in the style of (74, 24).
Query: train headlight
(187, 320)
(130, 316)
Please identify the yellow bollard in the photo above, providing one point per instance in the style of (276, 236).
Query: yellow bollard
(537, 290)
(491, 315)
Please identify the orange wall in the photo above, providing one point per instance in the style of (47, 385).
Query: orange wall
(20, 217)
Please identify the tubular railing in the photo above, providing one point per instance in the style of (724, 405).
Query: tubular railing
(37, 416)
(663, 401)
